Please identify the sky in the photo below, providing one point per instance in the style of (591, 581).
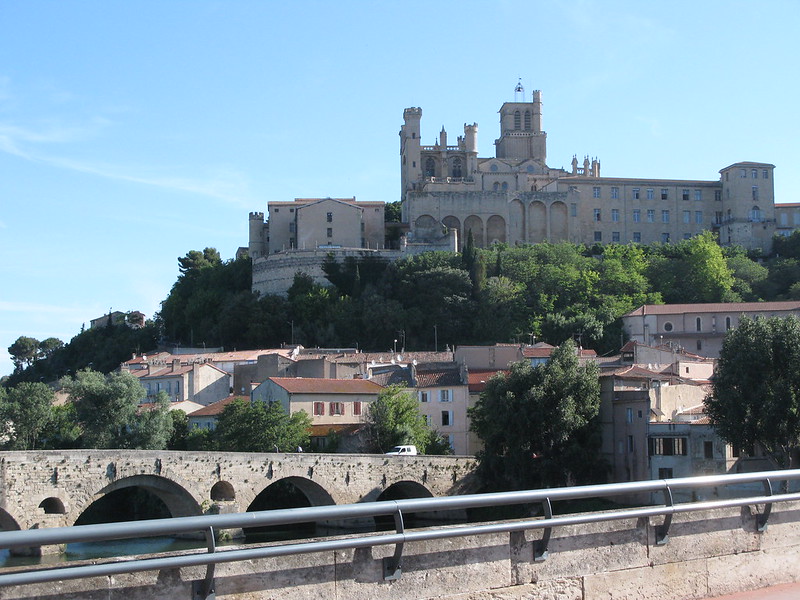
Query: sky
(133, 132)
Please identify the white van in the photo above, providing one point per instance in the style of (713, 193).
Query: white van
(403, 451)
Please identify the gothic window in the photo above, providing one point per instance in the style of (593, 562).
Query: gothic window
(527, 120)
(517, 120)
(430, 167)
(755, 214)
(504, 187)
(457, 168)
(496, 186)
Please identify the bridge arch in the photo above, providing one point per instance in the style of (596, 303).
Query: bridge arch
(7, 522)
(53, 506)
(223, 491)
(291, 492)
(178, 501)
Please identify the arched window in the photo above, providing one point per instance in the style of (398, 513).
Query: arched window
(430, 167)
(496, 186)
(517, 120)
(755, 214)
(527, 120)
(457, 167)
(727, 323)
(698, 323)
(504, 187)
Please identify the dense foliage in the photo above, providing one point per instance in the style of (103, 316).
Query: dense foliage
(394, 419)
(539, 424)
(550, 292)
(107, 409)
(756, 394)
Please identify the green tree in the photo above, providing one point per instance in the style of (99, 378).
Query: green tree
(539, 424)
(63, 430)
(107, 406)
(24, 351)
(260, 427)
(196, 260)
(394, 420)
(180, 430)
(755, 399)
(25, 412)
(49, 346)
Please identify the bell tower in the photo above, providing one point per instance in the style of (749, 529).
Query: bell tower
(521, 135)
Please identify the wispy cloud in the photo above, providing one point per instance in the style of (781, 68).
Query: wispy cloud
(224, 184)
(41, 309)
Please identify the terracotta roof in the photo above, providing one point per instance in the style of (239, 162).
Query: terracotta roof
(479, 377)
(538, 351)
(713, 307)
(394, 375)
(439, 378)
(234, 356)
(168, 371)
(345, 429)
(304, 385)
(216, 408)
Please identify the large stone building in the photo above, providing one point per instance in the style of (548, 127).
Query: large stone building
(698, 327)
(515, 197)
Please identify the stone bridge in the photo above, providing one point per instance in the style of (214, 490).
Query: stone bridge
(54, 488)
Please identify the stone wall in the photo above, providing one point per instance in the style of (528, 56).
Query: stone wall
(183, 480)
(708, 553)
(274, 274)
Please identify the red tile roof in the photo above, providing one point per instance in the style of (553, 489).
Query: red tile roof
(216, 408)
(478, 378)
(304, 385)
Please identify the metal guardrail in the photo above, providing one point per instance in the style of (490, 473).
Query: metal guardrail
(207, 524)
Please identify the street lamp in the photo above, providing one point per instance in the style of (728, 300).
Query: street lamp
(394, 348)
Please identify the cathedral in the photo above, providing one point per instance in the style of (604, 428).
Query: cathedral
(515, 197)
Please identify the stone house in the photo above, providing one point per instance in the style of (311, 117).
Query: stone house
(203, 383)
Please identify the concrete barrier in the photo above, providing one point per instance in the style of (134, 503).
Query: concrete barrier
(708, 553)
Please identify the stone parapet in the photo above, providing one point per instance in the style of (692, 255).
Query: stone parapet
(709, 553)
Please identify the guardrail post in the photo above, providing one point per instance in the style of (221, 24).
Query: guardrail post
(392, 566)
(761, 520)
(541, 548)
(662, 531)
(204, 590)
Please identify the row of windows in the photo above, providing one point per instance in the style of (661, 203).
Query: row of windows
(650, 214)
(444, 396)
(518, 120)
(650, 193)
(166, 387)
(698, 324)
(446, 420)
(456, 169)
(676, 446)
(753, 174)
(336, 409)
(636, 237)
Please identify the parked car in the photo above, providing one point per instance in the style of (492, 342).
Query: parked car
(403, 451)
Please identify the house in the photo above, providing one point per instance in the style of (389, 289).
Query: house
(699, 327)
(206, 416)
(203, 383)
(331, 403)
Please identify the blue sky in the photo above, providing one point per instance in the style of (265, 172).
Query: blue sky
(133, 132)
